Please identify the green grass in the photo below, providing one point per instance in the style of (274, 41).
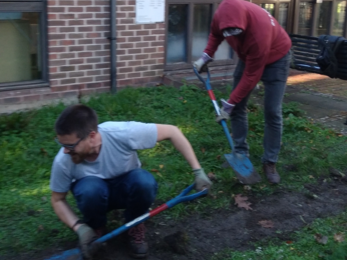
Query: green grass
(27, 149)
(302, 246)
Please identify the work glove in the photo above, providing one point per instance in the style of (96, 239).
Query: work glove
(86, 236)
(201, 63)
(201, 180)
(225, 111)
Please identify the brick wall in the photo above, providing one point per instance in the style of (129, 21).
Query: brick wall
(79, 51)
(140, 47)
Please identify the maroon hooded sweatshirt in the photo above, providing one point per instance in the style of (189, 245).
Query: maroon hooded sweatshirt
(262, 42)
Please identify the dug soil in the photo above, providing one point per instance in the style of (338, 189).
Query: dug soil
(202, 235)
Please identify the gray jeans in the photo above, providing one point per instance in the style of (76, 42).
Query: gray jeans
(274, 78)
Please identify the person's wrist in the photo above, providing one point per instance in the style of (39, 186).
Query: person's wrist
(77, 225)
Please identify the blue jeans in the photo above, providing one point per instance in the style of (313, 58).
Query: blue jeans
(134, 191)
(274, 78)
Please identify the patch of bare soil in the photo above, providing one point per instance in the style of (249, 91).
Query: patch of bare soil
(201, 235)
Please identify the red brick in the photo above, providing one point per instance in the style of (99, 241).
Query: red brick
(120, 28)
(67, 56)
(141, 56)
(127, 33)
(158, 31)
(56, 49)
(159, 43)
(68, 81)
(76, 74)
(53, 70)
(85, 79)
(51, 96)
(150, 26)
(85, 54)
(53, 56)
(134, 51)
(126, 45)
(67, 29)
(93, 47)
(84, 3)
(85, 67)
(76, 61)
(149, 38)
(76, 48)
(94, 22)
(157, 55)
(93, 72)
(52, 16)
(125, 70)
(75, 22)
(121, 64)
(67, 42)
(126, 57)
(125, 82)
(135, 27)
(139, 33)
(85, 29)
(94, 9)
(149, 62)
(85, 16)
(125, 21)
(127, 8)
(142, 44)
(93, 85)
(101, 78)
(60, 88)
(149, 50)
(135, 63)
(56, 23)
(57, 62)
(131, 15)
(67, 68)
(120, 52)
(102, 65)
(75, 9)
(157, 67)
(93, 35)
(66, 16)
(58, 76)
(102, 28)
(62, 2)
(102, 41)
(102, 53)
(76, 36)
(53, 9)
(94, 60)
(85, 41)
(149, 73)
(142, 68)
(102, 15)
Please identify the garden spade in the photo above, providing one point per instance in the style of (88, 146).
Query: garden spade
(240, 163)
(75, 254)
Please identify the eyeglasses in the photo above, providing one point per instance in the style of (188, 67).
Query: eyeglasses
(70, 147)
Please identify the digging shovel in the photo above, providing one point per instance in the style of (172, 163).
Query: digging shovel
(240, 163)
(75, 254)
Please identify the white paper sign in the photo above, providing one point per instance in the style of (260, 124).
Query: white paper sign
(150, 11)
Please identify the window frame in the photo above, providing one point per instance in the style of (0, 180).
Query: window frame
(187, 64)
(39, 6)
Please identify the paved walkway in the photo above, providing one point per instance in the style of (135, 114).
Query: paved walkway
(324, 99)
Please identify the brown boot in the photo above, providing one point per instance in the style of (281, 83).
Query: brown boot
(271, 172)
(136, 239)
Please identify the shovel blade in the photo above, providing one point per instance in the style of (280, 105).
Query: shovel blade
(243, 168)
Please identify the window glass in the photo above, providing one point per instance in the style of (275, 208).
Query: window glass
(340, 16)
(269, 7)
(20, 46)
(283, 14)
(177, 34)
(305, 18)
(201, 29)
(323, 19)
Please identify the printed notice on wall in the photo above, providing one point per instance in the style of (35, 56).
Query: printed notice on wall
(150, 11)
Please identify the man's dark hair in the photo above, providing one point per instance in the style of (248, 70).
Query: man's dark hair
(78, 119)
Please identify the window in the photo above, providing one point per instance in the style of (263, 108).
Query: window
(305, 18)
(188, 28)
(323, 18)
(283, 14)
(22, 52)
(269, 7)
(340, 16)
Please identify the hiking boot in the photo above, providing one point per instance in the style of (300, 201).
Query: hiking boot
(271, 172)
(136, 238)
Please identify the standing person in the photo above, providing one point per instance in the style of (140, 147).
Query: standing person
(100, 166)
(263, 48)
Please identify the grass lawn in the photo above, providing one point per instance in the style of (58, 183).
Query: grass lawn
(27, 148)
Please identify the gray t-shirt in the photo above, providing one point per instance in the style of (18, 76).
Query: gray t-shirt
(118, 155)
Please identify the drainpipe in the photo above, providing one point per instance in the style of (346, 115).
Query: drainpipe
(112, 38)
